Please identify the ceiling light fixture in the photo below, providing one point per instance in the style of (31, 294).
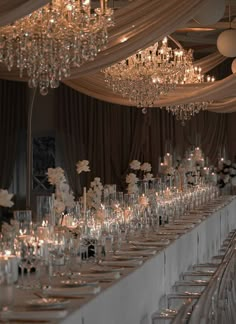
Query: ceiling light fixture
(55, 38)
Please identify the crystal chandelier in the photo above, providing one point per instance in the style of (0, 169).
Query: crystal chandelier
(51, 41)
(149, 73)
(185, 112)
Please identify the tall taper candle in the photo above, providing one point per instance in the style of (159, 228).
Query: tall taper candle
(85, 207)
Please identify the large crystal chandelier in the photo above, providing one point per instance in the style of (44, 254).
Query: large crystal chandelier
(51, 41)
(153, 71)
(185, 111)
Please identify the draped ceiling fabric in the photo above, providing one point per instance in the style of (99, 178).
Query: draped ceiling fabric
(13, 10)
(137, 26)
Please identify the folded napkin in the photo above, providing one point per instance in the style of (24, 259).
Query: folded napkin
(72, 292)
(125, 257)
(42, 315)
(152, 243)
(137, 253)
(128, 264)
(101, 276)
(179, 226)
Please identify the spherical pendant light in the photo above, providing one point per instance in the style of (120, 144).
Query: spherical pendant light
(233, 66)
(226, 43)
(211, 12)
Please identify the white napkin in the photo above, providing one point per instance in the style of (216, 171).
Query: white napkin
(33, 315)
(101, 276)
(136, 253)
(129, 263)
(152, 243)
(72, 292)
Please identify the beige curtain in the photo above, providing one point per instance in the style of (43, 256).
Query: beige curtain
(218, 90)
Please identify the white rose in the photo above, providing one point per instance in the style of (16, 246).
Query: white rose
(148, 176)
(131, 178)
(135, 165)
(146, 167)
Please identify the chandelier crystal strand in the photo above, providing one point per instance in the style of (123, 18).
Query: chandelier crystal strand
(151, 72)
(51, 41)
(184, 112)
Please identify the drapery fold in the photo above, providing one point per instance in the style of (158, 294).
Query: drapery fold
(13, 10)
(216, 91)
(12, 118)
(137, 25)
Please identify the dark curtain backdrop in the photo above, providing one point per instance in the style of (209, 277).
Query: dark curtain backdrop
(110, 136)
(12, 118)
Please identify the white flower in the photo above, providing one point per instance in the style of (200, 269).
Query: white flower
(131, 178)
(132, 188)
(55, 176)
(64, 187)
(5, 198)
(68, 199)
(148, 176)
(135, 165)
(94, 194)
(82, 166)
(59, 206)
(146, 167)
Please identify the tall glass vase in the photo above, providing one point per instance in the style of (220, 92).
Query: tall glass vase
(45, 209)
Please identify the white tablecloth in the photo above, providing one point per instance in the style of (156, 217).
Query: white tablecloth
(134, 298)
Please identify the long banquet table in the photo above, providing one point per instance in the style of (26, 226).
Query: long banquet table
(134, 297)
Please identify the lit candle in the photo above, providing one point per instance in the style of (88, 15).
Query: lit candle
(43, 231)
(168, 160)
(85, 207)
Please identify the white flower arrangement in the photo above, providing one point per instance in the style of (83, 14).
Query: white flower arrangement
(5, 198)
(132, 180)
(64, 197)
(148, 176)
(94, 194)
(146, 167)
(226, 173)
(55, 176)
(82, 166)
(135, 165)
(9, 231)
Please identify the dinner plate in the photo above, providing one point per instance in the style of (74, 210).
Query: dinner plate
(47, 303)
(78, 283)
